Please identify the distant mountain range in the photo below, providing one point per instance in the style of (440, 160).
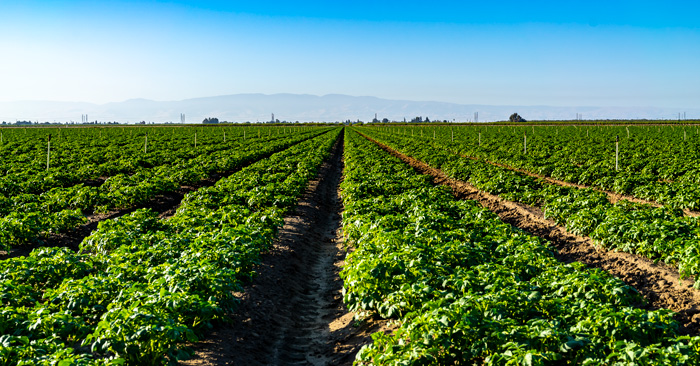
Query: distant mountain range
(304, 108)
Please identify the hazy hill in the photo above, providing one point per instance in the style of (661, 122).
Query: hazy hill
(304, 107)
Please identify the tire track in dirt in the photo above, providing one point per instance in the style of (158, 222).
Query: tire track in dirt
(292, 312)
(659, 283)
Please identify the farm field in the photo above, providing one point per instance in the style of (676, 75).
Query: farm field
(371, 245)
(94, 172)
(649, 229)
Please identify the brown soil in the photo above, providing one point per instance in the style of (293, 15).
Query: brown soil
(292, 312)
(95, 182)
(660, 284)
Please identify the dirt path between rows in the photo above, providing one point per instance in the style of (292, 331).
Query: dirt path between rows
(660, 284)
(292, 313)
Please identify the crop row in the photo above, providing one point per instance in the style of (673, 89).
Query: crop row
(655, 163)
(84, 154)
(657, 233)
(141, 287)
(24, 216)
(468, 289)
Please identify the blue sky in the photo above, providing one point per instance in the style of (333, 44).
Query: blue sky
(578, 53)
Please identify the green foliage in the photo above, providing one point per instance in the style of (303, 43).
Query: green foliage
(36, 202)
(663, 234)
(469, 289)
(144, 287)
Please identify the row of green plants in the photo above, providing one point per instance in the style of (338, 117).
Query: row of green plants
(25, 217)
(80, 155)
(467, 288)
(657, 163)
(659, 233)
(141, 288)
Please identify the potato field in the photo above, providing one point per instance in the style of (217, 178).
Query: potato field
(397, 244)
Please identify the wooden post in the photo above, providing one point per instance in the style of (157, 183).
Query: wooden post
(453, 134)
(224, 136)
(479, 138)
(617, 152)
(195, 140)
(433, 134)
(48, 152)
(628, 131)
(145, 144)
(525, 143)
(684, 134)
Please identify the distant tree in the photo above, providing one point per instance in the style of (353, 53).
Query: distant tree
(210, 120)
(427, 120)
(385, 120)
(516, 118)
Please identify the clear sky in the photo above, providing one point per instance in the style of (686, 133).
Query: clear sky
(578, 53)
